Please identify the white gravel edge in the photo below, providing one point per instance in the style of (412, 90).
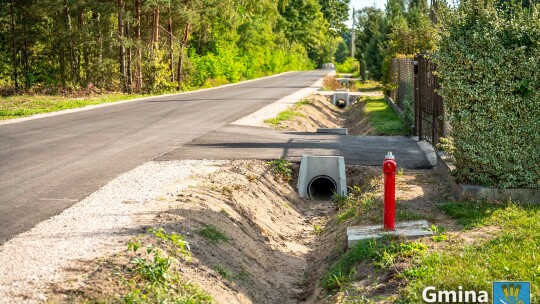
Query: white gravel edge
(256, 119)
(97, 226)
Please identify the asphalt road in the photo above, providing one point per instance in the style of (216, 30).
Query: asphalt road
(241, 142)
(49, 164)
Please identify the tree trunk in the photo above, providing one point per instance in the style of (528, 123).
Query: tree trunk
(25, 62)
(139, 47)
(14, 48)
(86, 53)
(122, 54)
(70, 39)
(185, 38)
(80, 46)
(171, 49)
(128, 69)
(155, 28)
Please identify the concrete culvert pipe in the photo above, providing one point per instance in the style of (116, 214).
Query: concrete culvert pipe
(321, 188)
(341, 103)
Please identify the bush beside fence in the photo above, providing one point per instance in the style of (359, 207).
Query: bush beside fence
(489, 66)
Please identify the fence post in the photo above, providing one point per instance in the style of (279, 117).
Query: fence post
(417, 102)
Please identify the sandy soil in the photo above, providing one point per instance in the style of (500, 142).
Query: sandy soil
(273, 254)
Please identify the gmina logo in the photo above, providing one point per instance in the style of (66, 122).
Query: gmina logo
(512, 292)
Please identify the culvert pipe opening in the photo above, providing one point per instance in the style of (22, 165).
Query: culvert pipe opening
(341, 104)
(321, 188)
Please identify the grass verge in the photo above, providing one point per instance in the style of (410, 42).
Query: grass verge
(368, 86)
(288, 114)
(512, 254)
(505, 246)
(383, 253)
(383, 119)
(27, 105)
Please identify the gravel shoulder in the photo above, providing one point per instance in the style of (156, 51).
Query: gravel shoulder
(98, 226)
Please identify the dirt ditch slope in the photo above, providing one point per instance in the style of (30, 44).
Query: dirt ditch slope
(321, 113)
(272, 245)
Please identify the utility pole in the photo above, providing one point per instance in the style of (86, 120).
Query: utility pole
(353, 33)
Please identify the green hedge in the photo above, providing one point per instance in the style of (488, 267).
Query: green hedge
(489, 65)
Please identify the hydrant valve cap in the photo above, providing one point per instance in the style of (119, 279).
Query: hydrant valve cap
(389, 155)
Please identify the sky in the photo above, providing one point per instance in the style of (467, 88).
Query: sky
(359, 4)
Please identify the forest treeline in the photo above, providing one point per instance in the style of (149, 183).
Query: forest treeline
(161, 45)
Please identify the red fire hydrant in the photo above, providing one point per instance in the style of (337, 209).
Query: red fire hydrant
(389, 213)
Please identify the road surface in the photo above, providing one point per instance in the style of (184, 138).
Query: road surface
(49, 164)
(241, 142)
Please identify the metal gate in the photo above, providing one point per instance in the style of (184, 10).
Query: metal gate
(429, 106)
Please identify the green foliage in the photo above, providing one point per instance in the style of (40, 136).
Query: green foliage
(382, 253)
(288, 114)
(371, 33)
(356, 203)
(155, 273)
(156, 73)
(368, 86)
(213, 234)
(342, 52)
(337, 14)
(318, 229)
(383, 35)
(72, 44)
(447, 145)
(383, 118)
(176, 244)
(303, 22)
(222, 271)
(406, 215)
(489, 69)
(281, 167)
(408, 109)
(349, 66)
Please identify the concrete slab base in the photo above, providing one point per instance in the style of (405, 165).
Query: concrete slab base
(340, 131)
(405, 229)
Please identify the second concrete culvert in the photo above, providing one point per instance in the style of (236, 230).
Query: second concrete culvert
(322, 188)
(341, 103)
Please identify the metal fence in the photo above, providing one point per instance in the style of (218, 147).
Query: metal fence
(402, 77)
(429, 106)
